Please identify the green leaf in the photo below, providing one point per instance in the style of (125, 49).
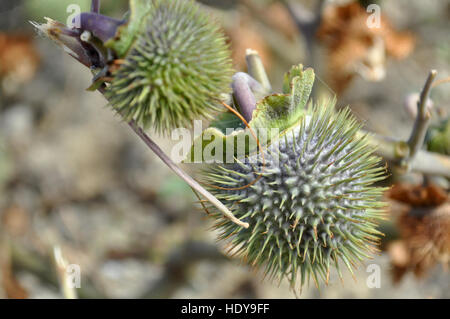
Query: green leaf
(277, 111)
(127, 33)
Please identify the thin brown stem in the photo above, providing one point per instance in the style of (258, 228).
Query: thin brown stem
(61, 264)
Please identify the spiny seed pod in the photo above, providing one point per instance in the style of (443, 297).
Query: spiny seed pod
(176, 69)
(164, 66)
(313, 204)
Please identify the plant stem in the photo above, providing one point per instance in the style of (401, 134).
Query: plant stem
(417, 137)
(188, 179)
(410, 153)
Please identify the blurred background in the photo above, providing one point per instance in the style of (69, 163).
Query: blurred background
(76, 181)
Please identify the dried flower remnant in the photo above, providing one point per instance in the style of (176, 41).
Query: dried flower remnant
(423, 221)
(19, 59)
(354, 48)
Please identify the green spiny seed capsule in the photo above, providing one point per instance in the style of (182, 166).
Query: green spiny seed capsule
(176, 69)
(314, 204)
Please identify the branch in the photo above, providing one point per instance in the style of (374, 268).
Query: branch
(409, 153)
(423, 117)
(188, 179)
(397, 151)
(431, 163)
(54, 30)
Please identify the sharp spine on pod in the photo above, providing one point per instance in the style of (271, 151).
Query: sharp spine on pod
(316, 203)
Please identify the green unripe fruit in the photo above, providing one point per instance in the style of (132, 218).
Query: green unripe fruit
(175, 70)
(314, 204)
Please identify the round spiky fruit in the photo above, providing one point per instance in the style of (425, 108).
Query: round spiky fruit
(313, 203)
(176, 69)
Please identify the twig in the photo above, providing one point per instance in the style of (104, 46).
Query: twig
(396, 151)
(441, 81)
(53, 29)
(409, 154)
(188, 179)
(417, 137)
(431, 163)
(386, 147)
